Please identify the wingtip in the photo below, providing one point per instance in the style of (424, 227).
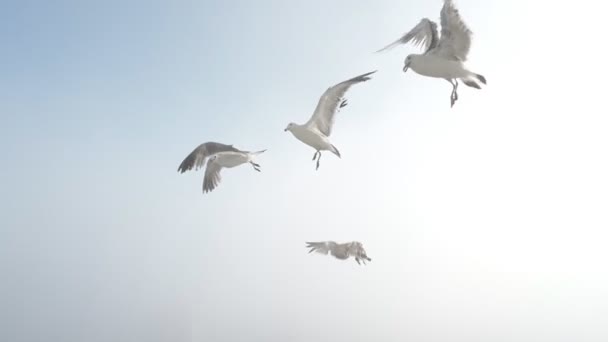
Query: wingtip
(364, 77)
(367, 76)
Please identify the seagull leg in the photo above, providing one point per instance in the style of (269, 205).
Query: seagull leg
(315, 156)
(357, 260)
(454, 96)
(255, 166)
(318, 160)
(344, 103)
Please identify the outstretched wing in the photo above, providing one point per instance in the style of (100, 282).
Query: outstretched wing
(323, 117)
(196, 159)
(339, 251)
(212, 176)
(319, 247)
(455, 41)
(425, 34)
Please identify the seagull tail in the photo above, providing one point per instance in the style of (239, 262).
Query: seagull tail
(471, 84)
(473, 80)
(335, 151)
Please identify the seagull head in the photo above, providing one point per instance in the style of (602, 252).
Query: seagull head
(290, 126)
(407, 62)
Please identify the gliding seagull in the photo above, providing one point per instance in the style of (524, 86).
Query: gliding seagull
(340, 251)
(220, 156)
(443, 57)
(315, 133)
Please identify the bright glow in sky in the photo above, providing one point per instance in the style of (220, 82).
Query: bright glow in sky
(485, 222)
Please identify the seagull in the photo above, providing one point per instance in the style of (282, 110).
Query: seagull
(220, 156)
(340, 251)
(443, 57)
(315, 133)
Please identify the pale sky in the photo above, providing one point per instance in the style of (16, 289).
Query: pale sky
(485, 222)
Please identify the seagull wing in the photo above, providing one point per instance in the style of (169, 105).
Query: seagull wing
(319, 247)
(323, 247)
(212, 176)
(323, 117)
(196, 159)
(339, 251)
(425, 34)
(455, 41)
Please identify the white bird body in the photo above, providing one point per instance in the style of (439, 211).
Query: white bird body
(315, 133)
(231, 159)
(434, 66)
(313, 138)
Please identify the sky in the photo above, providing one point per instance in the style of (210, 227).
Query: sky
(485, 222)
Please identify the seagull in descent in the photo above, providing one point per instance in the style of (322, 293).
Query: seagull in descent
(315, 133)
(443, 56)
(340, 251)
(220, 156)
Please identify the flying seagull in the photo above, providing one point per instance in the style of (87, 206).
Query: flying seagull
(315, 133)
(443, 56)
(340, 251)
(220, 156)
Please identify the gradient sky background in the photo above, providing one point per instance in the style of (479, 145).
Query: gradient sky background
(485, 222)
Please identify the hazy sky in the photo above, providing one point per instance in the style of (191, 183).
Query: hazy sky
(485, 222)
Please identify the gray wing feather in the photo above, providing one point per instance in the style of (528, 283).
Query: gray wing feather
(319, 247)
(196, 159)
(455, 41)
(424, 33)
(323, 117)
(212, 176)
(339, 251)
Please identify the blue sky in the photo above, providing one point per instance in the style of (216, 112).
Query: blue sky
(484, 222)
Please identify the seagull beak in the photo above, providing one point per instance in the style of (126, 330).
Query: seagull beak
(285, 130)
(405, 68)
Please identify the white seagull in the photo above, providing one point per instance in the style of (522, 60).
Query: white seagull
(220, 156)
(443, 57)
(340, 251)
(315, 133)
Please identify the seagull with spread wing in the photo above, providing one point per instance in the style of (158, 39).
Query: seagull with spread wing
(443, 56)
(315, 133)
(220, 156)
(340, 251)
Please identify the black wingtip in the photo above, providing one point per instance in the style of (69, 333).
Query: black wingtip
(366, 77)
(471, 84)
(336, 151)
(371, 73)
